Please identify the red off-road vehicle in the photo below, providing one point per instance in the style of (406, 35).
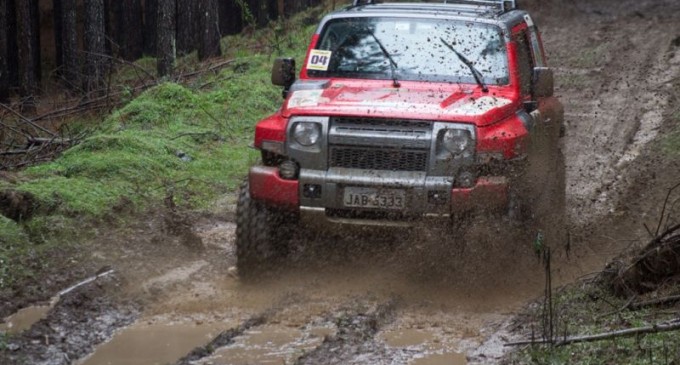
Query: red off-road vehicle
(403, 112)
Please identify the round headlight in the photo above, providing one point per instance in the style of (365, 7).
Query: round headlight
(456, 140)
(306, 133)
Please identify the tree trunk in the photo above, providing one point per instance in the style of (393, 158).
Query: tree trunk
(111, 41)
(166, 36)
(66, 41)
(150, 26)
(35, 39)
(260, 10)
(129, 25)
(95, 45)
(186, 27)
(209, 23)
(263, 13)
(28, 65)
(56, 16)
(12, 45)
(231, 19)
(4, 52)
(281, 8)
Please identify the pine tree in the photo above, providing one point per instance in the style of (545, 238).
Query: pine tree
(150, 26)
(209, 29)
(27, 39)
(66, 41)
(129, 22)
(4, 53)
(95, 45)
(186, 27)
(165, 47)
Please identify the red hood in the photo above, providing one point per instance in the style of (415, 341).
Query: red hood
(412, 100)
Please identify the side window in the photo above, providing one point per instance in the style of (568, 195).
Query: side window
(524, 62)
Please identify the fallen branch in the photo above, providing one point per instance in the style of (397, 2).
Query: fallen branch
(652, 302)
(657, 261)
(197, 134)
(656, 328)
(17, 131)
(91, 104)
(14, 152)
(86, 281)
(26, 120)
(211, 68)
(38, 141)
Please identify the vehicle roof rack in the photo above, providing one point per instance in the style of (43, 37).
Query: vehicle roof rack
(502, 5)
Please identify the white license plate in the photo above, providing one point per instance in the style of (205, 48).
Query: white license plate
(374, 198)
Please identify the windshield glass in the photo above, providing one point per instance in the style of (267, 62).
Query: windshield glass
(352, 46)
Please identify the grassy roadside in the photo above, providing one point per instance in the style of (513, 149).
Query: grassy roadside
(187, 142)
(589, 307)
(671, 143)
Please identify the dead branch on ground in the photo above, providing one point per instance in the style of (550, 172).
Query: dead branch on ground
(657, 261)
(673, 325)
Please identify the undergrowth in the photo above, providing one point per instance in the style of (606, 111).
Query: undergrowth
(188, 143)
(589, 309)
(671, 142)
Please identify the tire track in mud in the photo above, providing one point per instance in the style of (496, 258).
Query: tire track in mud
(81, 320)
(355, 338)
(613, 78)
(224, 339)
(357, 325)
(608, 99)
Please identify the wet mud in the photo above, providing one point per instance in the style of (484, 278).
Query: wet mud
(72, 328)
(404, 296)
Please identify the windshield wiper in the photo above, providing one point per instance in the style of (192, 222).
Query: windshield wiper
(475, 72)
(393, 65)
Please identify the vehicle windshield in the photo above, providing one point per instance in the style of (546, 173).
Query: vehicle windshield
(416, 47)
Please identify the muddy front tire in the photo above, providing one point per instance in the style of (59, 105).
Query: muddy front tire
(262, 235)
(538, 203)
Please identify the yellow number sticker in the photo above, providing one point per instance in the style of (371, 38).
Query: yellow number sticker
(319, 60)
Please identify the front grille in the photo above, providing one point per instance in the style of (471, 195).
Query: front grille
(387, 125)
(379, 144)
(371, 158)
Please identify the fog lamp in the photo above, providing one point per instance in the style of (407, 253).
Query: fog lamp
(311, 191)
(466, 179)
(288, 170)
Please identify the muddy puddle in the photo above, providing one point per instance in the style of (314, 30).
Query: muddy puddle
(431, 348)
(270, 344)
(24, 319)
(441, 359)
(146, 343)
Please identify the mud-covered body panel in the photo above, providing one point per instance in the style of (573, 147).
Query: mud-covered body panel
(380, 139)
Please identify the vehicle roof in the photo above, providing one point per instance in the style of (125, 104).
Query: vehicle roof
(453, 11)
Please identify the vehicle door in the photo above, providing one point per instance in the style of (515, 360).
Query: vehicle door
(547, 111)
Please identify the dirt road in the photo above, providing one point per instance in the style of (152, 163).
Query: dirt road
(385, 300)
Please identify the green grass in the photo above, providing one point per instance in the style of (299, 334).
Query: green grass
(670, 143)
(586, 310)
(188, 140)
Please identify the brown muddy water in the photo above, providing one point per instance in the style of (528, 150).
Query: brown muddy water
(153, 344)
(24, 319)
(270, 344)
(441, 359)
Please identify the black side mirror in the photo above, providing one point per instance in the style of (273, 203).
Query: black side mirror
(543, 82)
(283, 73)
